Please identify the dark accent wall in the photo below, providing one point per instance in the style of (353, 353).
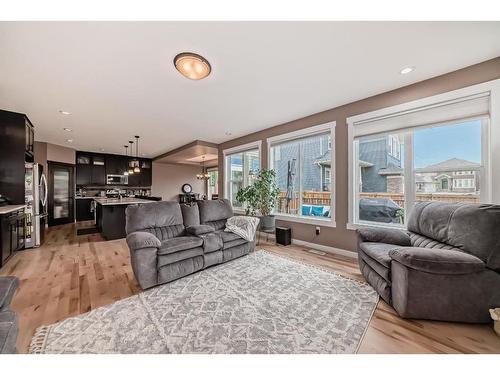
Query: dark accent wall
(341, 237)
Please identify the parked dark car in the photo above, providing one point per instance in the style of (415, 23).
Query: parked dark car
(381, 210)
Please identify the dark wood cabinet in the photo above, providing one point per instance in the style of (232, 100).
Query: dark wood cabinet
(11, 234)
(17, 140)
(92, 169)
(83, 209)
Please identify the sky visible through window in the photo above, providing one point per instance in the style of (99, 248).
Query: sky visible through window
(434, 145)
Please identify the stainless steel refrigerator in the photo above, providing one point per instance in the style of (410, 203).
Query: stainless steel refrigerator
(36, 205)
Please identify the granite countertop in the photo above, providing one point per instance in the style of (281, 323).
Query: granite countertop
(85, 197)
(11, 208)
(117, 201)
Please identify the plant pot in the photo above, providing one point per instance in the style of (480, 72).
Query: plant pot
(267, 222)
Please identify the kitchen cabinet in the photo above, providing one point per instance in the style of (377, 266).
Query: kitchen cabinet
(11, 234)
(116, 164)
(17, 137)
(90, 169)
(83, 209)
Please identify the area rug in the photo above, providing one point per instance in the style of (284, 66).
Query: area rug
(260, 303)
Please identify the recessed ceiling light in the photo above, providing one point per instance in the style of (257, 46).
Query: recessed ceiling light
(69, 140)
(101, 149)
(68, 129)
(192, 65)
(407, 70)
(64, 112)
(228, 133)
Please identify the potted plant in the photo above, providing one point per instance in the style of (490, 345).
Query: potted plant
(261, 196)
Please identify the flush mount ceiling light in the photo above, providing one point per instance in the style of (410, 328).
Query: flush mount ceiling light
(192, 66)
(64, 112)
(69, 140)
(407, 70)
(67, 129)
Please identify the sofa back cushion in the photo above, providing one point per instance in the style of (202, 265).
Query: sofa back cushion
(215, 211)
(163, 219)
(190, 214)
(473, 228)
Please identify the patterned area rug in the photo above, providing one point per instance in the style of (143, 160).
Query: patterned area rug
(260, 303)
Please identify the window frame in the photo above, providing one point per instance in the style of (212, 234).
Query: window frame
(490, 144)
(257, 145)
(296, 135)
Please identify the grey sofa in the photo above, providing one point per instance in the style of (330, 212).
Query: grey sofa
(446, 266)
(168, 240)
(9, 327)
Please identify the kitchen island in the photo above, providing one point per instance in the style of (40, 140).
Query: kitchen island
(110, 215)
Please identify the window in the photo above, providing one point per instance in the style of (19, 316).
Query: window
(304, 164)
(241, 169)
(433, 149)
(212, 183)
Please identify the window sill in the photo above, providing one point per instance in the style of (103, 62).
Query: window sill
(306, 220)
(354, 226)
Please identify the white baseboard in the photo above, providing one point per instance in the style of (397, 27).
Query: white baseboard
(326, 249)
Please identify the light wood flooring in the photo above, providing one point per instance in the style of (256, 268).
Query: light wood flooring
(70, 275)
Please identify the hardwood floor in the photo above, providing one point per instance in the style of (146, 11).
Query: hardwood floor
(70, 275)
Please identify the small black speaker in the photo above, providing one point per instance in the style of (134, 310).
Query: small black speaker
(283, 236)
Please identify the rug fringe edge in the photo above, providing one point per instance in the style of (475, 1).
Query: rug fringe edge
(38, 340)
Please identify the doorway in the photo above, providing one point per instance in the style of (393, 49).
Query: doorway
(61, 193)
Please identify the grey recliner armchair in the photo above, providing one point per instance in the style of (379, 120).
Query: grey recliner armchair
(168, 240)
(446, 266)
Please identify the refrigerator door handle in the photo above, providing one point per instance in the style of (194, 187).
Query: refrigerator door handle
(43, 181)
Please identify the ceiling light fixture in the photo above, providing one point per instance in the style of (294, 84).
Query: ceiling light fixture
(69, 140)
(407, 70)
(67, 129)
(136, 168)
(126, 155)
(204, 174)
(130, 168)
(192, 65)
(64, 112)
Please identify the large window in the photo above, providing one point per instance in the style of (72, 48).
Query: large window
(213, 183)
(304, 166)
(241, 168)
(412, 156)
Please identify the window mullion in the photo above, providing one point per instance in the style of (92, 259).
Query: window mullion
(301, 153)
(409, 175)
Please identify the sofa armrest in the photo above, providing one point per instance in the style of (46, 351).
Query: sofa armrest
(142, 240)
(197, 230)
(384, 235)
(444, 262)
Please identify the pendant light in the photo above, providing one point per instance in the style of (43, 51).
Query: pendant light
(130, 169)
(126, 154)
(203, 175)
(136, 168)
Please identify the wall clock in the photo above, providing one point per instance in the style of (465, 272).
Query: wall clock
(186, 188)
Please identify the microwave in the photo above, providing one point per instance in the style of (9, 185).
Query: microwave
(116, 179)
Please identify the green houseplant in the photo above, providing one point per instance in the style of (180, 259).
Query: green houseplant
(261, 196)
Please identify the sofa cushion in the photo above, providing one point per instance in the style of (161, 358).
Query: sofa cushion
(230, 244)
(190, 214)
(8, 332)
(173, 245)
(8, 286)
(196, 230)
(153, 215)
(228, 236)
(417, 240)
(163, 260)
(217, 224)
(382, 270)
(472, 228)
(164, 233)
(214, 210)
(444, 262)
(379, 252)
(211, 242)
(380, 284)
(385, 235)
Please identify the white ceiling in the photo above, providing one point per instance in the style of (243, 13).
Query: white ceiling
(118, 79)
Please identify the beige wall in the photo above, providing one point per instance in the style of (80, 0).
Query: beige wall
(60, 154)
(169, 178)
(49, 152)
(340, 237)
